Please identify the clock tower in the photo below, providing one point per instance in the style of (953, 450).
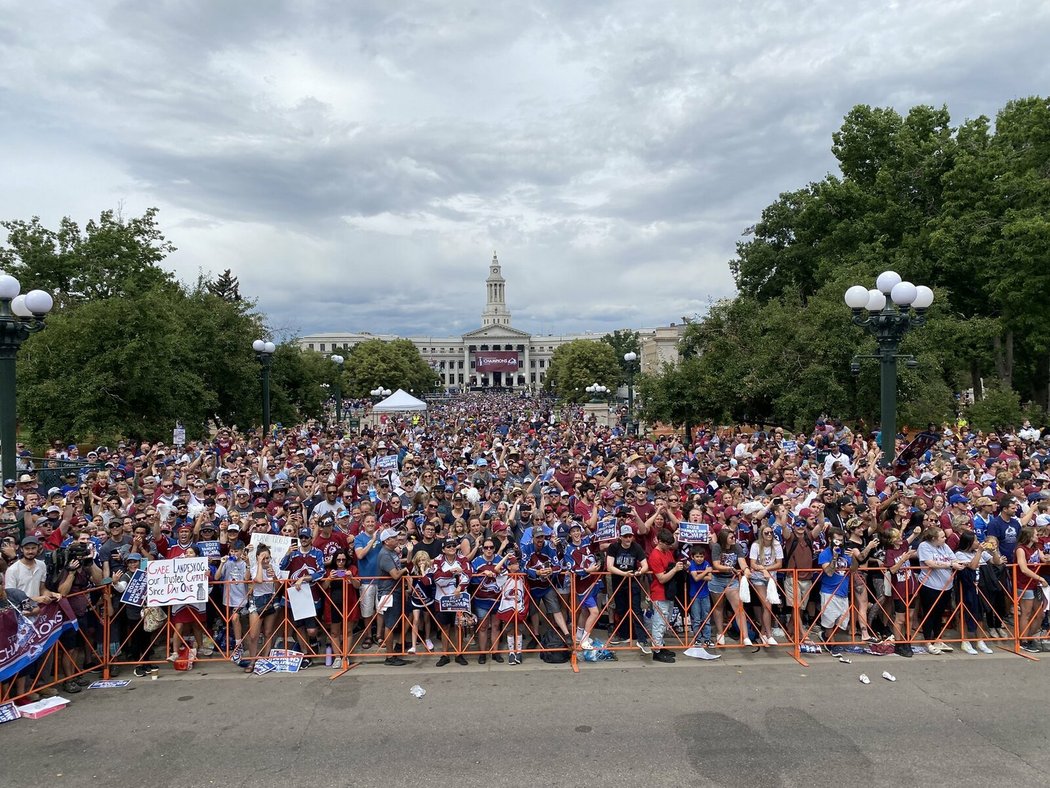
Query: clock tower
(496, 313)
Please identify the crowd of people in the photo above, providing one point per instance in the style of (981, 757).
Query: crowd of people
(530, 527)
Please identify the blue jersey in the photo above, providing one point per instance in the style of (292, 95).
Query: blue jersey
(698, 588)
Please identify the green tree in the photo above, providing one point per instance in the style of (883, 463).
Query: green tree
(577, 364)
(624, 341)
(396, 364)
(1000, 409)
(110, 257)
(225, 286)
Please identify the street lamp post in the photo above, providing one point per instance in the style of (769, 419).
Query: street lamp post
(264, 355)
(630, 358)
(20, 316)
(338, 361)
(379, 391)
(596, 391)
(889, 317)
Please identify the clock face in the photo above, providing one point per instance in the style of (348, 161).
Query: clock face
(495, 270)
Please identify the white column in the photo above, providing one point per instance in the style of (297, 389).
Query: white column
(466, 366)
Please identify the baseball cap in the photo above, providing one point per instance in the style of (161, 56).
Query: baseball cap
(304, 533)
(388, 533)
(233, 527)
(133, 557)
(54, 491)
(958, 499)
(626, 530)
(30, 540)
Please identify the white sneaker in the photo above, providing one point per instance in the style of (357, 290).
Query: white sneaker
(193, 655)
(696, 652)
(411, 649)
(429, 644)
(779, 633)
(644, 647)
(771, 642)
(205, 651)
(983, 648)
(967, 648)
(933, 648)
(945, 647)
(337, 663)
(173, 656)
(587, 644)
(721, 641)
(747, 642)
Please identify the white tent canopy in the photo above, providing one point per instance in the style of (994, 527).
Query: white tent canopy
(399, 401)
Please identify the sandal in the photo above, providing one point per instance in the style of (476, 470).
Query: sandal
(250, 668)
(367, 643)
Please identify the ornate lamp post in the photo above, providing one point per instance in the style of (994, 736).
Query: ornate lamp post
(888, 319)
(264, 355)
(337, 386)
(630, 358)
(596, 391)
(20, 316)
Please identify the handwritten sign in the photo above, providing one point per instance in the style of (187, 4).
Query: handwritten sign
(386, 464)
(135, 593)
(279, 546)
(694, 533)
(606, 530)
(455, 603)
(177, 581)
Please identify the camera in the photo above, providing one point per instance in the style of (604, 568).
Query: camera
(623, 511)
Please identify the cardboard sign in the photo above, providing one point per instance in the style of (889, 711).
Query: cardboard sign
(301, 602)
(694, 533)
(456, 603)
(279, 546)
(210, 549)
(177, 581)
(109, 684)
(386, 464)
(135, 593)
(606, 530)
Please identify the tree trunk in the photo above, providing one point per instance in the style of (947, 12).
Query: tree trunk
(1004, 358)
(975, 378)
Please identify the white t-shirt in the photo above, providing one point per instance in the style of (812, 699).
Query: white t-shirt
(29, 580)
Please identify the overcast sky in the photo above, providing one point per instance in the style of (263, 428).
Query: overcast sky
(355, 163)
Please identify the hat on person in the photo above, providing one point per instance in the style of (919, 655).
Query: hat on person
(634, 458)
(30, 540)
(9, 482)
(52, 509)
(259, 502)
(54, 491)
(891, 479)
(958, 499)
(984, 500)
(133, 557)
(626, 530)
(381, 445)
(25, 478)
(185, 527)
(732, 512)
(805, 512)
(208, 526)
(451, 543)
(927, 477)
(388, 533)
(615, 486)
(305, 533)
(575, 527)
(233, 527)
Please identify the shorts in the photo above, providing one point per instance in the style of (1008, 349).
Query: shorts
(548, 600)
(369, 594)
(804, 587)
(832, 608)
(588, 598)
(899, 606)
(1029, 594)
(264, 604)
(719, 585)
(445, 618)
(482, 608)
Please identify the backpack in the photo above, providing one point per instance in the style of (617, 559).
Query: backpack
(554, 648)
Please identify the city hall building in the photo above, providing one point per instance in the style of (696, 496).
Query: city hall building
(497, 355)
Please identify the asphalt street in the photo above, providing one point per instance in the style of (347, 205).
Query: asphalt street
(746, 720)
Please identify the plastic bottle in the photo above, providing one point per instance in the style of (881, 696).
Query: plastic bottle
(328, 656)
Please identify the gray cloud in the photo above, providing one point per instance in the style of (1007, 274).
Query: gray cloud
(356, 163)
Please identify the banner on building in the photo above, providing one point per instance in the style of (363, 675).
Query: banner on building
(496, 361)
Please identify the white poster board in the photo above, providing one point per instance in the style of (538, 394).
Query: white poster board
(279, 547)
(177, 581)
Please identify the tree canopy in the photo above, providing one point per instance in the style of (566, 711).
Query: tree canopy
(577, 364)
(964, 209)
(129, 350)
(393, 365)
